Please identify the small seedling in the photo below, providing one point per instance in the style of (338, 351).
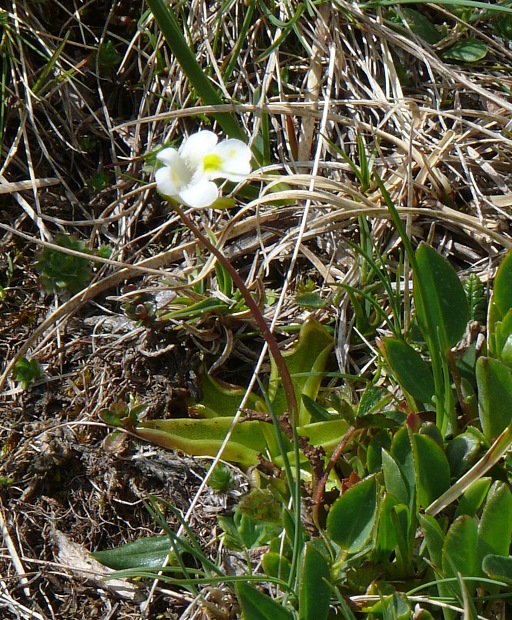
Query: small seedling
(26, 371)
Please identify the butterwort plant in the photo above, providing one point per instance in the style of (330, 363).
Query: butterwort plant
(187, 175)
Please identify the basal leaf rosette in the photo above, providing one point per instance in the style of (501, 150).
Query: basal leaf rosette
(62, 271)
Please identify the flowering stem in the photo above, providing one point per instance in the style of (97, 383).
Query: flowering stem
(256, 312)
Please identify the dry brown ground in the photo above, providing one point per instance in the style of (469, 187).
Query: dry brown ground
(440, 139)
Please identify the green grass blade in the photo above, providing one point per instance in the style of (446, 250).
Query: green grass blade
(169, 26)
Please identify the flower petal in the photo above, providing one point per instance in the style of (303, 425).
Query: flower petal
(200, 194)
(168, 156)
(196, 146)
(236, 160)
(174, 175)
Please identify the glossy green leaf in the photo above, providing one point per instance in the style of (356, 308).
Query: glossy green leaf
(498, 567)
(306, 360)
(473, 497)
(204, 437)
(144, 553)
(393, 479)
(494, 382)
(409, 369)
(495, 529)
(315, 592)
(431, 430)
(352, 516)
(110, 417)
(460, 550)
(221, 399)
(433, 470)
(258, 606)
(466, 50)
(461, 453)
(445, 305)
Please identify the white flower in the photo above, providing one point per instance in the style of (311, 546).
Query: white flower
(187, 175)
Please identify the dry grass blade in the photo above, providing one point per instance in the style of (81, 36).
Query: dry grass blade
(87, 99)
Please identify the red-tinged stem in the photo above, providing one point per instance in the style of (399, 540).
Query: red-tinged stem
(256, 312)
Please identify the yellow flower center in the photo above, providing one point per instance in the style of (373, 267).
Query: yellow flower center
(212, 162)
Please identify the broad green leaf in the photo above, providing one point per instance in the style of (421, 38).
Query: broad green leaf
(461, 452)
(110, 417)
(221, 399)
(144, 553)
(204, 437)
(409, 369)
(503, 27)
(466, 50)
(305, 361)
(258, 606)
(495, 529)
(327, 434)
(502, 338)
(433, 470)
(498, 567)
(460, 550)
(445, 306)
(352, 516)
(494, 381)
(276, 565)
(473, 497)
(422, 26)
(502, 294)
(315, 592)
(310, 300)
(393, 479)
(431, 430)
